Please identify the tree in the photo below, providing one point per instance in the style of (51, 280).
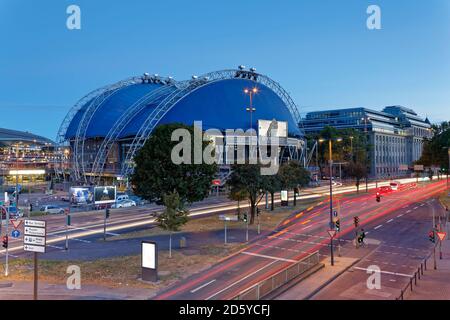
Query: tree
(292, 175)
(272, 184)
(358, 171)
(238, 195)
(247, 178)
(156, 175)
(173, 217)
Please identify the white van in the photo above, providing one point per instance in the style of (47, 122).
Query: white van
(121, 197)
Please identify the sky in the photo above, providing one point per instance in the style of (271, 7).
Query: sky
(320, 51)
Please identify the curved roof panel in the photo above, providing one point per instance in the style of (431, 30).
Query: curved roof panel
(222, 105)
(8, 136)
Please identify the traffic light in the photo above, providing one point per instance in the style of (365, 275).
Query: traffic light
(378, 197)
(258, 211)
(107, 213)
(5, 242)
(245, 217)
(431, 236)
(337, 225)
(356, 221)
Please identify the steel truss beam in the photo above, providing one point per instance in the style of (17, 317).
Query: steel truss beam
(190, 86)
(121, 123)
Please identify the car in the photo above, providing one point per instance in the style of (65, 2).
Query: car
(121, 197)
(384, 189)
(394, 185)
(139, 201)
(124, 204)
(52, 209)
(13, 213)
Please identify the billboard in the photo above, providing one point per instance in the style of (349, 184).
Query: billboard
(265, 128)
(81, 195)
(105, 194)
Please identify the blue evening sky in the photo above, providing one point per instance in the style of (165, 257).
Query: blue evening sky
(319, 50)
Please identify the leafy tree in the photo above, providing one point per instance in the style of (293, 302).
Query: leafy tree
(358, 171)
(292, 175)
(272, 184)
(238, 195)
(155, 174)
(173, 217)
(247, 178)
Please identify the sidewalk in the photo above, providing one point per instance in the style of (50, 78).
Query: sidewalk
(23, 290)
(434, 284)
(307, 288)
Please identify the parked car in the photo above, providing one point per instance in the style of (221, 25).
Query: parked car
(139, 201)
(13, 213)
(124, 204)
(52, 209)
(121, 197)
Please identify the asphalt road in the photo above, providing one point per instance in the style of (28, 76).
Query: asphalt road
(299, 237)
(399, 243)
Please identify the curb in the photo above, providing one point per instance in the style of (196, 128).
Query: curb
(316, 291)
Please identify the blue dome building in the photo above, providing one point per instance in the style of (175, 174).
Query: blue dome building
(107, 127)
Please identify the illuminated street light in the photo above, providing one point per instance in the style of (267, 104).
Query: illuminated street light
(330, 150)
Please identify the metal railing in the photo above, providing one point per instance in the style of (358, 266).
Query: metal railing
(418, 274)
(275, 281)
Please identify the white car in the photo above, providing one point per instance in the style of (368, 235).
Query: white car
(51, 209)
(125, 204)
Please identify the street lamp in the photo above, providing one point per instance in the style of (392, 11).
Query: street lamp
(330, 151)
(251, 109)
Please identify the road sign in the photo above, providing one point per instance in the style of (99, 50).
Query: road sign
(216, 182)
(224, 217)
(332, 233)
(418, 167)
(441, 235)
(15, 233)
(34, 236)
(16, 224)
(32, 231)
(35, 223)
(31, 248)
(39, 241)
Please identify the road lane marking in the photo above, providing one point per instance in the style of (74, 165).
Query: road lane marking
(307, 227)
(86, 229)
(278, 234)
(299, 215)
(269, 257)
(202, 286)
(389, 221)
(305, 222)
(409, 211)
(55, 247)
(400, 215)
(415, 208)
(386, 272)
(240, 280)
(81, 240)
(378, 227)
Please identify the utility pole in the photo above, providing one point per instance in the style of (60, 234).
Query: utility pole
(330, 150)
(7, 232)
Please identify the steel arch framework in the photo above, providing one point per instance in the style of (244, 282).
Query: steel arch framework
(164, 98)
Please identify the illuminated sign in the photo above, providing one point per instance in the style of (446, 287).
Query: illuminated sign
(26, 172)
(81, 195)
(105, 194)
(148, 255)
(273, 128)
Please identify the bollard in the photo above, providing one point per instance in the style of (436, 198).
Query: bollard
(410, 283)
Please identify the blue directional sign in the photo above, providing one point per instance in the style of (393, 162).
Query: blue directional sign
(15, 233)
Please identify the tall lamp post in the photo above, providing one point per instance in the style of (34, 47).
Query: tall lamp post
(251, 109)
(366, 131)
(330, 151)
